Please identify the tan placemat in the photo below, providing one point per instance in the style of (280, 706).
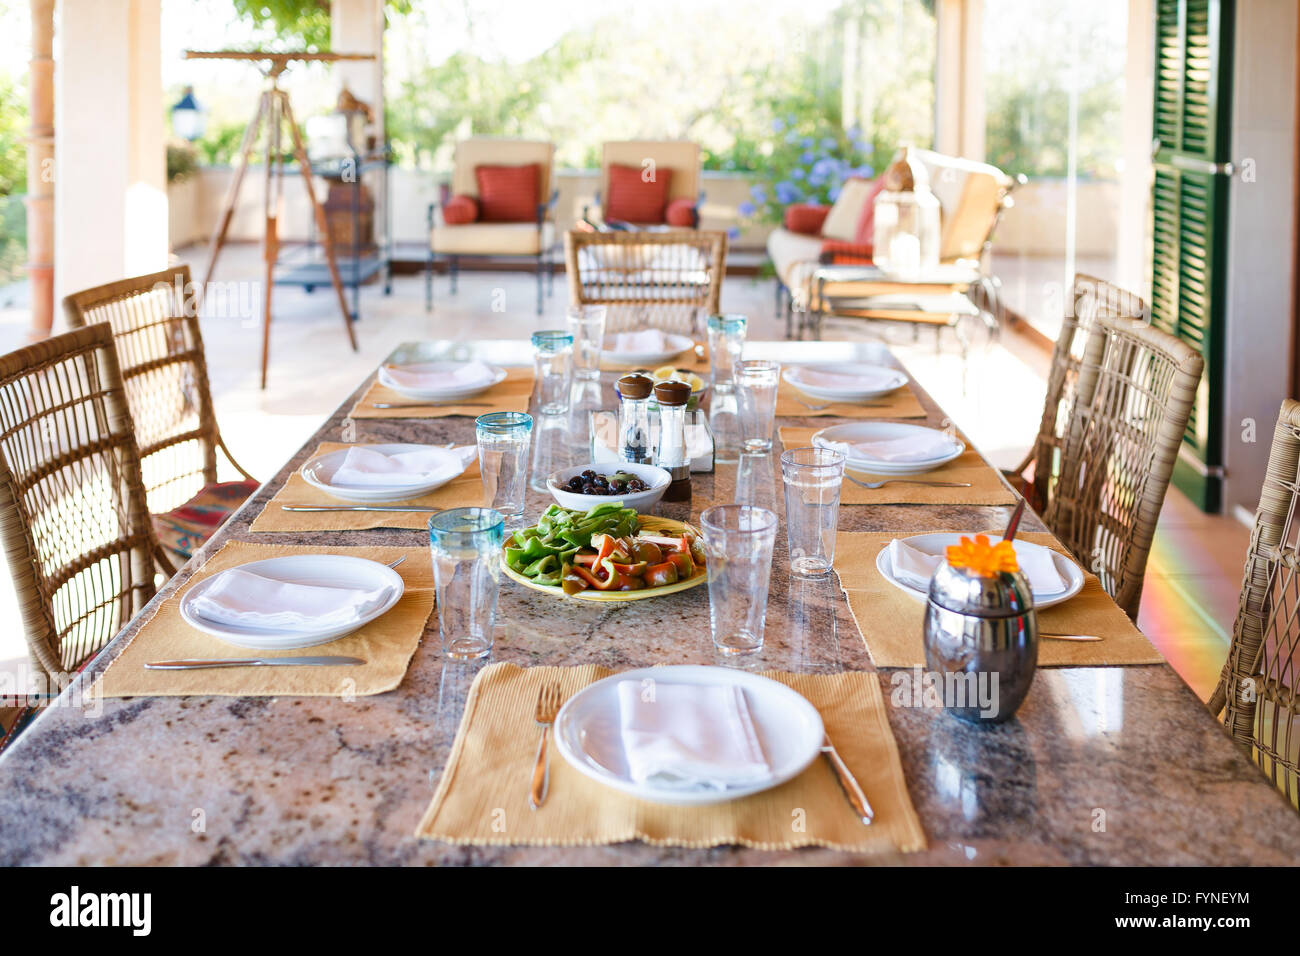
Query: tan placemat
(890, 621)
(482, 797)
(463, 492)
(986, 485)
(900, 403)
(385, 644)
(511, 395)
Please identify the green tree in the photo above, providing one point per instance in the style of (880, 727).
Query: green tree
(298, 23)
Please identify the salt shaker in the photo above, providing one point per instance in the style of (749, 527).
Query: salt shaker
(634, 419)
(672, 454)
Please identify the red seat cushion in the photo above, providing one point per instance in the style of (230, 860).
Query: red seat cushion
(507, 193)
(806, 218)
(836, 252)
(632, 199)
(681, 213)
(183, 530)
(460, 210)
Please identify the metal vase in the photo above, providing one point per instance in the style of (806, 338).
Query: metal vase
(981, 637)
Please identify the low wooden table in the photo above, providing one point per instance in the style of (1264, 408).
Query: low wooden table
(318, 780)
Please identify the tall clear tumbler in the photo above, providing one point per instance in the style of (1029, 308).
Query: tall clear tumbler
(726, 343)
(812, 479)
(552, 371)
(466, 546)
(738, 541)
(587, 326)
(756, 384)
(503, 459)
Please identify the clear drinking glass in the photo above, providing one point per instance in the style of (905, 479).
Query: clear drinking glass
(466, 546)
(553, 371)
(756, 384)
(726, 342)
(738, 541)
(756, 480)
(587, 326)
(553, 449)
(503, 459)
(812, 504)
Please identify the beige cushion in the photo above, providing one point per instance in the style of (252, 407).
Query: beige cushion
(489, 151)
(969, 193)
(492, 238)
(842, 221)
(794, 256)
(681, 156)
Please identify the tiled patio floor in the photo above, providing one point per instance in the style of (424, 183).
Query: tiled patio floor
(1188, 606)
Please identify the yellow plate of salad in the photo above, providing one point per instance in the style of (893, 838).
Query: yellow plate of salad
(608, 553)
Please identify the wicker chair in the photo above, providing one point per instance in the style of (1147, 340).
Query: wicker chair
(73, 517)
(160, 348)
(663, 280)
(1092, 297)
(1133, 395)
(1257, 689)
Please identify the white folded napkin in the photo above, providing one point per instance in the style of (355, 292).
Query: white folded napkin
(431, 376)
(247, 599)
(914, 567)
(367, 468)
(859, 378)
(921, 446)
(647, 340)
(689, 736)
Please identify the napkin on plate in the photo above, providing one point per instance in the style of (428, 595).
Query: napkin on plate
(365, 467)
(914, 567)
(647, 340)
(247, 599)
(862, 378)
(921, 446)
(431, 376)
(689, 736)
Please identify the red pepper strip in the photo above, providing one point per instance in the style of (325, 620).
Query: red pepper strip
(587, 559)
(588, 578)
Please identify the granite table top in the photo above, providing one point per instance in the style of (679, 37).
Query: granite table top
(1116, 765)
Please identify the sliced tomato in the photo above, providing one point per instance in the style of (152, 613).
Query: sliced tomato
(681, 560)
(659, 575)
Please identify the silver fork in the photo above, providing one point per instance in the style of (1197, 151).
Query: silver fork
(548, 705)
(824, 405)
(873, 485)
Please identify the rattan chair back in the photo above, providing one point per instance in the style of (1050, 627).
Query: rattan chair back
(1257, 689)
(1133, 394)
(669, 280)
(73, 516)
(160, 348)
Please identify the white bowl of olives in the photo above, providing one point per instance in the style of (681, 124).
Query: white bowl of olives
(584, 486)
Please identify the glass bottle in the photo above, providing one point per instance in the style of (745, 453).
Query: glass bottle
(906, 220)
(671, 453)
(634, 419)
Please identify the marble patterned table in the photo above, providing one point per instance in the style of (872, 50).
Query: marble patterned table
(326, 781)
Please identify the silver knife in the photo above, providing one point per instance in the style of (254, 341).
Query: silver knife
(358, 508)
(857, 799)
(249, 662)
(430, 404)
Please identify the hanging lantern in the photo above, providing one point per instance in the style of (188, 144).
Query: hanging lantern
(187, 117)
(906, 238)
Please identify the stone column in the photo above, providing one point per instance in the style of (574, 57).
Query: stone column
(40, 170)
(110, 169)
(357, 26)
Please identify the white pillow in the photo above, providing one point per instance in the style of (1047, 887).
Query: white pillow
(842, 221)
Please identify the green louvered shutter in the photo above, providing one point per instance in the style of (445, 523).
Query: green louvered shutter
(1189, 209)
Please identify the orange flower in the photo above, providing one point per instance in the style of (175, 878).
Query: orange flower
(982, 558)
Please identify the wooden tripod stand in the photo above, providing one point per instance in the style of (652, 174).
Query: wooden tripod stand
(275, 111)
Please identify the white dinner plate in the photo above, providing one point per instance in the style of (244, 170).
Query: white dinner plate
(321, 570)
(884, 431)
(674, 345)
(789, 730)
(874, 381)
(442, 394)
(319, 473)
(936, 544)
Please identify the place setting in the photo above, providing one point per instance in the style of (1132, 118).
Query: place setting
(900, 463)
(437, 389)
(353, 487)
(846, 390)
(241, 625)
(650, 349)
